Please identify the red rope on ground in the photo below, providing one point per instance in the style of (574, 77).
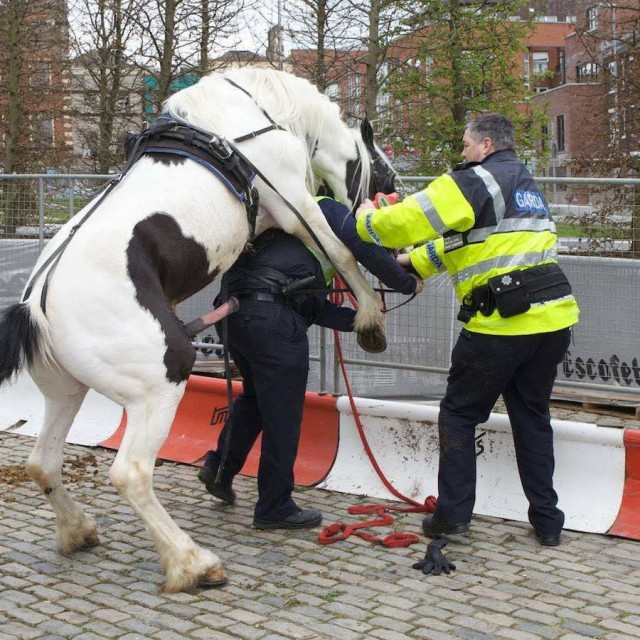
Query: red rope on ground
(340, 531)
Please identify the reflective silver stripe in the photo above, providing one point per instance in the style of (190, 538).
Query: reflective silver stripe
(480, 235)
(430, 212)
(494, 190)
(504, 262)
(511, 224)
(540, 304)
(526, 224)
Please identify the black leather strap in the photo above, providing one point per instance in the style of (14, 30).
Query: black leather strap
(258, 296)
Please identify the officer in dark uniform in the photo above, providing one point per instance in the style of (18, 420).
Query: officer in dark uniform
(268, 341)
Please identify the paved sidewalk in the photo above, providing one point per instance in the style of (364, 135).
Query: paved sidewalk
(286, 585)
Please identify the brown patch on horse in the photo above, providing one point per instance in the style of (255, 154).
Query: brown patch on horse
(166, 267)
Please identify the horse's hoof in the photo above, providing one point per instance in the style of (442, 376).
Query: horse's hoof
(91, 541)
(372, 340)
(214, 578)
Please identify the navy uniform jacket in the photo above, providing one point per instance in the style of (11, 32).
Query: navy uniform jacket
(277, 250)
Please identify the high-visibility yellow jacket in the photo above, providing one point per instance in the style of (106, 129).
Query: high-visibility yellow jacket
(483, 220)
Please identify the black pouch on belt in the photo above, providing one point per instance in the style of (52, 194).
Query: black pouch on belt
(510, 294)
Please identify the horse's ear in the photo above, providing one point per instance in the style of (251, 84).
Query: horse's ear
(366, 130)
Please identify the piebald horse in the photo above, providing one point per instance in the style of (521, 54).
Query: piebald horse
(101, 315)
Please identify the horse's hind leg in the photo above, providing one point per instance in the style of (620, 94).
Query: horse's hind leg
(63, 397)
(148, 422)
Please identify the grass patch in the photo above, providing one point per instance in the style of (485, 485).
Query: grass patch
(566, 230)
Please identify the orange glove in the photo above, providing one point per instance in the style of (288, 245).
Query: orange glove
(385, 199)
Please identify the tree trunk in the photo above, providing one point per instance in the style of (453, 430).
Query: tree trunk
(166, 60)
(205, 37)
(458, 104)
(11, 192)
(373, 59)
(321, 27)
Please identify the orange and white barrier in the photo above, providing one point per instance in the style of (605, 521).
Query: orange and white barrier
(204, 409)
(597, 468)
(22, 411)
(589, 477)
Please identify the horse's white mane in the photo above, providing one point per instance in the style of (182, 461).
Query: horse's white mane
(292, 102)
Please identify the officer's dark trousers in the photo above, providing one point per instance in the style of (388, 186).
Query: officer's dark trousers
(269, 344)
(522, 369)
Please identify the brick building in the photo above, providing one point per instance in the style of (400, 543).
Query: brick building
(35, 98)
(591, 101)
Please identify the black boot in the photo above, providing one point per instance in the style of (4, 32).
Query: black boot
(207, 475)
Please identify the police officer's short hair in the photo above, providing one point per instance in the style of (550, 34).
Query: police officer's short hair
(495, 126)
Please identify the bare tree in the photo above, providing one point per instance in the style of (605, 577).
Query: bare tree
(34, 66)
(609, 35)
(107, 84)
(177, 37)
(319, 29)
(344, 46)
(33, 99)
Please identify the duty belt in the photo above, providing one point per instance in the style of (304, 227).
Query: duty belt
(514, 292)
(258, 296)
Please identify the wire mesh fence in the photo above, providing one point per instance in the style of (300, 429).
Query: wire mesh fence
(598, 223)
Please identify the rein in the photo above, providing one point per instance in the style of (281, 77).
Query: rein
(381, 290)
(55, 256)
(255, 134)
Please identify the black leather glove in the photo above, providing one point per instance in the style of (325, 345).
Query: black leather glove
(434, 560)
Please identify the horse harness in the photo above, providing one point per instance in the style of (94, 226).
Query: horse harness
(171, 137)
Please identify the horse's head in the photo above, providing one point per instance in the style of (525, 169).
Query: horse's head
(383, 175)
(377, 175)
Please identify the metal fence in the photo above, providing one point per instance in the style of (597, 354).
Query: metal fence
(598, 224)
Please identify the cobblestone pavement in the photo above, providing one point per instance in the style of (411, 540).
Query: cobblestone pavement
(286, 585)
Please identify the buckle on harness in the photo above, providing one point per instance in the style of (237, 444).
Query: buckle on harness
(221, 147)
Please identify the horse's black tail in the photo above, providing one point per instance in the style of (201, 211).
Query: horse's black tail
(19, 338)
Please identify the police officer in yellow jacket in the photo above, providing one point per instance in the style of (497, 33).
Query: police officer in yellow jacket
(488, 225)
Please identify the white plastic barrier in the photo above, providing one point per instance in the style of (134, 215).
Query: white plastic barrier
(97, 419)
(589, 477)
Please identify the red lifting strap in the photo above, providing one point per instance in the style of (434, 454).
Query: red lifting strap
(341, 531)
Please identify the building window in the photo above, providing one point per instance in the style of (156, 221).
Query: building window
(614, 125)
(332, 92)
(40, 75)
(592, 18)
(562, 68)
(544, 138)
(613, 77)
(587, 72)
(46, 133)
(540, 61)
(560, 133)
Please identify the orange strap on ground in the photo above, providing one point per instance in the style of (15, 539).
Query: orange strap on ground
(339, 530)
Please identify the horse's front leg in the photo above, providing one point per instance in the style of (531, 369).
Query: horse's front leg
(185, 564)
(369, 322)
